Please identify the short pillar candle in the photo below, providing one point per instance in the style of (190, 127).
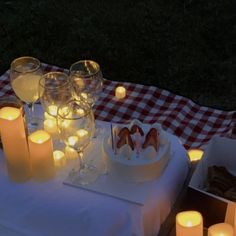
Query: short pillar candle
(221, 229)
(14, 141)
(120, 92)
(41, 154)
(189, 223)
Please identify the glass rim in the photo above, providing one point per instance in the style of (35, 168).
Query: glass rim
(44, 76)
(38, 64)
(83, 61)
(71, 118)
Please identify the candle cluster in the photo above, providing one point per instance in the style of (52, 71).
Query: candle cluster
(34, 155)
(191, 223)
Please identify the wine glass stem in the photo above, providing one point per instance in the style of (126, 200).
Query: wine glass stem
(31, 113)
(81, 160)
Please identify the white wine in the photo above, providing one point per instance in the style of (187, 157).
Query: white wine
(26, 87)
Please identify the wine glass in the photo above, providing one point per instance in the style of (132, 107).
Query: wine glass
(25, 73)
(87, 81)
(54, 89)
(75, 122)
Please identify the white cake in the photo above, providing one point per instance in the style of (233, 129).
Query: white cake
(129, 165)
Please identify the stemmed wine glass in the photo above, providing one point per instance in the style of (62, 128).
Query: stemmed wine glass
(75, 122)
(54, 90)
(25, 73)
(87, 81)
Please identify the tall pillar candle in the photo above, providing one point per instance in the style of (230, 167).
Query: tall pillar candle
(14, 141)
(189, 223)
(41, 154)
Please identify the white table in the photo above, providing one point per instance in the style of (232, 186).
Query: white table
(52, 208)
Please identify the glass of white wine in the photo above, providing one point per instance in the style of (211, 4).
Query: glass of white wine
(76, 122)
(25, 73)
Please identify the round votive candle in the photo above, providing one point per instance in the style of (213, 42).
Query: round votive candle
(195, 154)
(189, 223)
(59, 158)
(221, 229)
(41, 154)
(52, 110)
(120, 92)
(50, 125)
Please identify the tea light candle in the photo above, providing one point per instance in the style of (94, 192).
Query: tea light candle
(221, 229)
(41, 153)
(72, 140)
(49, 117)
(59, 158)
(189, 223)
(52, 110)
(82, 134)
(120, 92)
(71, 153)
(195, 154)
(50, 125)
(14, 143)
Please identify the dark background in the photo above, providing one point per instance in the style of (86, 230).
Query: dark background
(187, 47)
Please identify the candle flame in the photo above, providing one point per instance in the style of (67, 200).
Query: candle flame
(72, 140)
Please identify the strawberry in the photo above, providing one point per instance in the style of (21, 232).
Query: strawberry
(152, 139)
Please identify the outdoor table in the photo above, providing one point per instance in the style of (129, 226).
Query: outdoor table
(52, 208)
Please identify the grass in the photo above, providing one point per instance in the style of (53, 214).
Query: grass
(187, 47)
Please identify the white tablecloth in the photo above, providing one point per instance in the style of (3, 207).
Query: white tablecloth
(52, 208)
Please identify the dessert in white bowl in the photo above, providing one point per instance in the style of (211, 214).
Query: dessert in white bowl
(136, 152)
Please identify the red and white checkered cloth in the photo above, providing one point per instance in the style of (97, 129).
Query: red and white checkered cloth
(195, 125)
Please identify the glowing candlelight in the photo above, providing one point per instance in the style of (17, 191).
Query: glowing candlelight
(50, 125)
(14, 143)
(59, 158)
(82, 135)
(189, 223)
(72, 140)
(221, 229)
(52, 110)
(71, 153)
(195, 154)
(41, 154)
(120, 92)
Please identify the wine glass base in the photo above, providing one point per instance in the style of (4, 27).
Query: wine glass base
(86, 175)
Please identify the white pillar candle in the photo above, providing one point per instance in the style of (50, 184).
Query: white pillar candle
(120, 92)
(59, 158)
(71, 153)
(41, 153)
(50, 125)
(221, 229)
(14, 143)
(195, 154)
(189, 223)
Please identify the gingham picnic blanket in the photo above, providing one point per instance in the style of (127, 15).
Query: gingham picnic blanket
(195, 125)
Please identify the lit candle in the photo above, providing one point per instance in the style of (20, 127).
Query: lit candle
(189, 223)
(195, 154)
(49, 117)
(59, 158)
(71, 153)
(80, 112)
(52, 110)
(82, 135)
(50, 125)
(14, 143)
(221, 229)
(72, 140)
(120, 92)
(41, 153)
